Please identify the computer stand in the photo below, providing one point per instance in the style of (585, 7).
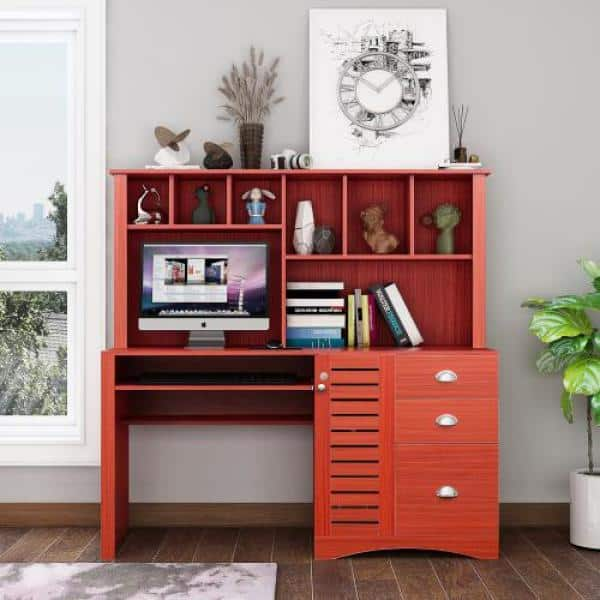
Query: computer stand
(206, 339)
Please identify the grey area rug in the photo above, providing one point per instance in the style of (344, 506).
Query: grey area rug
(137, 581)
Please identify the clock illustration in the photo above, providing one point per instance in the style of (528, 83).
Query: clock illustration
(378, 91)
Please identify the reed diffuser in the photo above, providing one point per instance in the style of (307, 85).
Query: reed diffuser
(250, 94)
(460, 121)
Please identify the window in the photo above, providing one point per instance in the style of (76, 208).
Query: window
(51, 232)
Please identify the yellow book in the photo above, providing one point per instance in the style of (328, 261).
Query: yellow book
(350, 321)
(364, 322)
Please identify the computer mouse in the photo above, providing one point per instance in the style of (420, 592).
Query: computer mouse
(274, 345)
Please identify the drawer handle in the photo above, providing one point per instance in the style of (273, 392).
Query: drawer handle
(447, 491)
(446, 420)
(446, 376)
(321, 387)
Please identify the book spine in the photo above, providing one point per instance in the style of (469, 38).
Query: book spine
(364, 312)
(313, 321)
(394, 324)
(372, 330)
(351, 318)
(314, 332)
(357, 325)
(316, 343)
(404, 315)
(317, 310)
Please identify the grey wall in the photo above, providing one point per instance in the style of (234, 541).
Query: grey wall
(529, 71)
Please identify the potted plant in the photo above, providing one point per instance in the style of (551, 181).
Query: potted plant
(250, 91)
(573, 349)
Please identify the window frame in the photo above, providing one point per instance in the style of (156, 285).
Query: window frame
(74, 438)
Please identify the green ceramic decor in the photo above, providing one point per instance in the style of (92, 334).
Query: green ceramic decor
(444, 218)
(204, 213)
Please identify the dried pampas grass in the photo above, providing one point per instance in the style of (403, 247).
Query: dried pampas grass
(250, 90)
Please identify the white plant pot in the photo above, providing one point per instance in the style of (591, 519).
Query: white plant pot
(585, 509)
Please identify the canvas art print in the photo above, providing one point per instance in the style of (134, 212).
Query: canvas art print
(378, 88)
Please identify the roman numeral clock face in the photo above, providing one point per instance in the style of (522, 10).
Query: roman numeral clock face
(378, 91)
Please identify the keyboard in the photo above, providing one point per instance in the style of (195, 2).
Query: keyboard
(218, 379)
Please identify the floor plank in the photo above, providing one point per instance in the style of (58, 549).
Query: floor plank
(459, 579)
(69, 546)
(141, 545)
(91, 553)
(333, 580)
(416, 578)
(545, 581)
(502, 580)
(217, 544)
(10, 536)
(294, 581)
(32, 544)
(580, 574)
(374, 577)
(292, 545)
(591, 556)
(255, 544)
(179, 545)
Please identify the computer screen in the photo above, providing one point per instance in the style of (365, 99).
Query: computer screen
(204, 281)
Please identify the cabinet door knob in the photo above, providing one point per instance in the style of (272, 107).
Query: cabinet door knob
(447, 491)
(324, 376)
(446, 376)
(321, 387)
(446, 420)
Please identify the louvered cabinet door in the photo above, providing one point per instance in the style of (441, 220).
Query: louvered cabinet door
(353, 445)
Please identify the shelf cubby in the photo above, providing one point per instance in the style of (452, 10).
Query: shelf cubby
(135, 188)
(390, 192)
(266, 181)
(185, 200)
(429, 193)
(326, 197)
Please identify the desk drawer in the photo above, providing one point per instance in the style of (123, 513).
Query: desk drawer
(448, 420)
(446, 493)
(447, 374)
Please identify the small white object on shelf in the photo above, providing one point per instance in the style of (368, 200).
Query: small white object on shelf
(446, 164)
(174, 167)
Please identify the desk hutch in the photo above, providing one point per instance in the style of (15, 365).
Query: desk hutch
(405, 440)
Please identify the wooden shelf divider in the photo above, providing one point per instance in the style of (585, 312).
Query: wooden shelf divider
(171, 200)
(411, 214)
(229, 199)
(345, 214)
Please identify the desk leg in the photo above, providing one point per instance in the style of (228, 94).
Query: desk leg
(115, 465)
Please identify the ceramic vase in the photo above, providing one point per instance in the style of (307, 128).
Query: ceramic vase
(251, 142)
(585, 509)
(304, 228)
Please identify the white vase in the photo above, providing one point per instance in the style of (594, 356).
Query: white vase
(304, 228)
(585, 509)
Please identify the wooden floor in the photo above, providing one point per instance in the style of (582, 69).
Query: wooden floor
(534, 563)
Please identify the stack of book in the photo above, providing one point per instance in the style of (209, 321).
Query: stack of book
(316, 316)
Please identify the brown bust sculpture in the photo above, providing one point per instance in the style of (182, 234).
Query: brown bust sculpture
(380, 241)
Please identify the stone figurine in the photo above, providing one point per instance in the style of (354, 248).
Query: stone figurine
(324, 239)
(256, 206)
(304, 228)
(173, 151)
(152, 216)
(204, 213)
(217, 156)
(380, 240)
(444, 218)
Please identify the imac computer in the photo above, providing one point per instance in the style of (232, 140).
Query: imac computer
(205, 289)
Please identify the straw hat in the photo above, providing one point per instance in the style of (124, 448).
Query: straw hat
(166, 137)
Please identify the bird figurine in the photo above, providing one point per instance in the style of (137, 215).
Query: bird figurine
(144, 217)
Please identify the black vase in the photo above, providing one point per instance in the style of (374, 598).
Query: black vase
(460, 154)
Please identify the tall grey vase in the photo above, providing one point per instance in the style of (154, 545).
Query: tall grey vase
(304, 228)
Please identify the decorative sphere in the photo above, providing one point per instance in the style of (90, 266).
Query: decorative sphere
(324, 239)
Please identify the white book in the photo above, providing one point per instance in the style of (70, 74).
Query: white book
(173, 167)
(357, 319)
(315, 285)
(455, 165)
(314, 302)
(317, 320)
(398, 304)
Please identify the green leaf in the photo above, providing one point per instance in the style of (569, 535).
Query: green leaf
(583, 376)
(575, 302)
(552, 324)
(596, 340)
(547, 363)
(596, 284)
(568, 346)
(566, 403)
(591, 267)
(595, 405)
(536, 303)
